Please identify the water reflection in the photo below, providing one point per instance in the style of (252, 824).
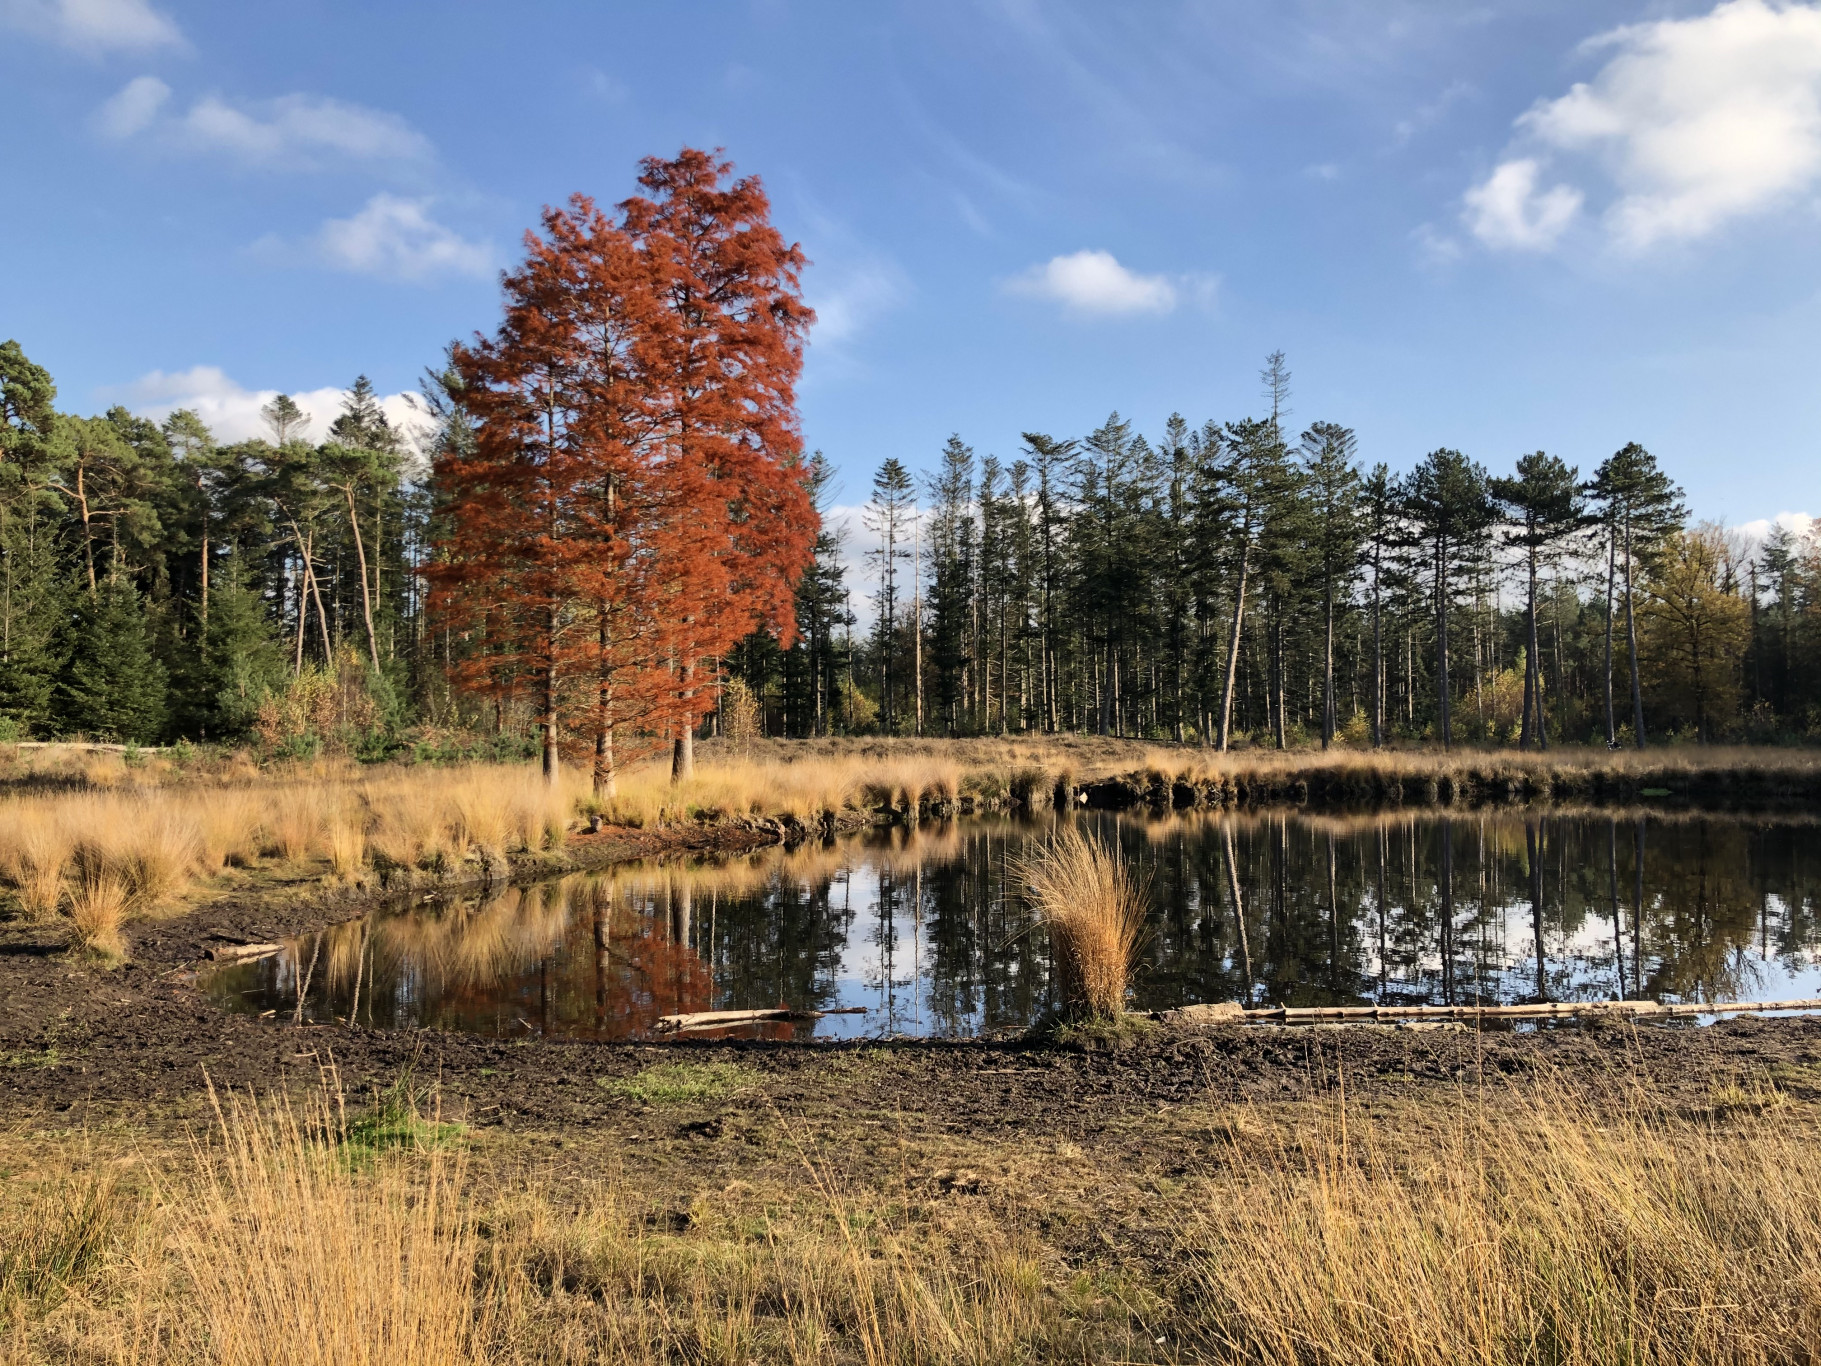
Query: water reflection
(927, 930)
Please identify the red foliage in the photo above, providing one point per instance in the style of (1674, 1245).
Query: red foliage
(633, 502)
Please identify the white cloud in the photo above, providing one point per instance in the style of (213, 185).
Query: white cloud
(133, 108)
(232, 412)
(1095, 282)
(1697, 122)
(1798, 524)
(852, 297)
(397, 238)
(1506, 209)
(94, 25)
(290, 131)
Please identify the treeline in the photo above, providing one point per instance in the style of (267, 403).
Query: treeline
(156, 584)
(1234, 580)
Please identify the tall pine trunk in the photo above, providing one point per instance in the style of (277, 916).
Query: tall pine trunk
(1239, 617)
(1443, 699)
(1612, 569)
(1631, 641)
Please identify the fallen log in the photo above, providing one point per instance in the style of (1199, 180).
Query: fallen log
(721, 1019)
(240, 953)
(1543, 1010)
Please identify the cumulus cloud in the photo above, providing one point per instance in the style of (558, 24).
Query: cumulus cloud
(1507, 209)
(1095, 282)
(1795, 523)
(232, 412)
(292, 131)
(1695, 122)
(94, 25)
(398, 239)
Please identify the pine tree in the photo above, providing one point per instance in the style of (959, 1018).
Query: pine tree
(1448, 500)
(111, 687)
(1331, 480)
(1640, 507)
(1544, 504)
(889, 516)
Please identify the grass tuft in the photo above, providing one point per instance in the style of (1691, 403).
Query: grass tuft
(683, 1083)
(1095, 915)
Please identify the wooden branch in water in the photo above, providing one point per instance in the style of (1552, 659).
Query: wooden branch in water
(1545, 1010)
(240, 953)
(720, 1019)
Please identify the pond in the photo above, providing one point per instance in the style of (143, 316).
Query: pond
(926, 929)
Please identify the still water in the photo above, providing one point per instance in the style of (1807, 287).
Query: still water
(928, 931)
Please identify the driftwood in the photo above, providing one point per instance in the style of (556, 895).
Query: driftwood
(240, 953)
(720, 1019)
(1546, 1010)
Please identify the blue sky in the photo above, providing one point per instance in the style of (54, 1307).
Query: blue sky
(1500, 226)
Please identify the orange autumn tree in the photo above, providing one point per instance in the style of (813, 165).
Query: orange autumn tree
(740, 518)
(632, 502)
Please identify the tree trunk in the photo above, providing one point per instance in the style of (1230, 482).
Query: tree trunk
(1441, 643)
(1612, 569)
(366, 599)
(1239, 617)
(1631, 642)
(1533, 702)
(552, 761)
(1327, 704)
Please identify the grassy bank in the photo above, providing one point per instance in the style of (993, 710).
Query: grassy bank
(1498, 1224)
(107, 837)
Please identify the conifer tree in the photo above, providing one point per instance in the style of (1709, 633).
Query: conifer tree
(1640, 507)
(110, 687)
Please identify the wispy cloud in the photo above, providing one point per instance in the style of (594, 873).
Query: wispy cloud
(291, 132)
(1095, 282)
(1693, 123)
(94, 26)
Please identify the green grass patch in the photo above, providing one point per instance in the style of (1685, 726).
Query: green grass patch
(683, 1083)
(46, 1057)
(397, 1121)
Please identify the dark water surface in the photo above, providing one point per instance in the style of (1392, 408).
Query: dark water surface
(928, 930)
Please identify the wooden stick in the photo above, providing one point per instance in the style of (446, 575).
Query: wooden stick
(1538, 1011)
(239, 953)
(720, 1019)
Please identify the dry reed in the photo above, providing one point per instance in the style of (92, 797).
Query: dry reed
(1094, 912)
(297, 1257)
(98, 905)
(1547, 1228)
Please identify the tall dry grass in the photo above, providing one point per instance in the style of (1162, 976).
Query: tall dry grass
(147, 848)
(1094, 912)
(1534, 1225)
(1548, 1228)
(296, 1256)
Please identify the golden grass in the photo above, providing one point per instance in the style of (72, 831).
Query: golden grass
(1511, 1226)
(98, 905)
(296, 1257)
(1094, 913)
(1550, 1228)
(33, 856)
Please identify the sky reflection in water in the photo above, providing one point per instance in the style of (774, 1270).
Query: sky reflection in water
(927, 929)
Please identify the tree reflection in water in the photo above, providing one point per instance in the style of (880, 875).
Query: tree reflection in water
(927, 928)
